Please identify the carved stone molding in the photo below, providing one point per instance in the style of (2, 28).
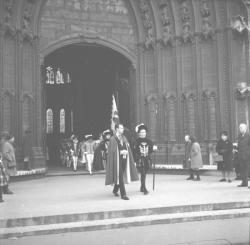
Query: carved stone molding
(169, 96)
(8, 11)
(210, 94)
(8, 92)
(242, 91)
(167, 27)
(27, 95)
(8, 30)
(239, 25)
(191, 95)
(27, 14)
(26, 36)
(151, 97)
(187, 36)
(148, 23)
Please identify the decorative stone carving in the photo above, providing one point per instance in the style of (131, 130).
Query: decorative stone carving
(207, 31)
(205, 10)
(27, 14)
(239, 24)
(242, 91)
(8, 6)
(187, 33)
(147, 23)
(167, 35)
(8, 28)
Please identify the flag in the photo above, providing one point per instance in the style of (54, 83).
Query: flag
(114, 113)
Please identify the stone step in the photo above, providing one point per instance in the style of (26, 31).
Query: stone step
(79, 217)
(112, 223)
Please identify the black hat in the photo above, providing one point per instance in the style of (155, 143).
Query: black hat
(224, 133)
(88, 136)
(108, 131)
(140, 127)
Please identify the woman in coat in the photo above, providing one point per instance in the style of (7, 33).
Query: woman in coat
(8, 160)
(224, 148)
(195, 158)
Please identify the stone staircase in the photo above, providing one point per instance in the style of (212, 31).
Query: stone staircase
(80, 222)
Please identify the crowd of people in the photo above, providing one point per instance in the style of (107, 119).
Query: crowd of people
(123, 160)
(231, 156)
(89, 152)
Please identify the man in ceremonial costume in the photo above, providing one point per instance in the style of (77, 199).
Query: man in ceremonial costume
(120, 167)
(143, 148)
(100, 155)
(89, 149)
(75, 151)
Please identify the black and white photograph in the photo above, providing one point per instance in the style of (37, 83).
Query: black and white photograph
(125, 122)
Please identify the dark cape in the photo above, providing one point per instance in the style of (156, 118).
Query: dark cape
(112, 168)
(98, 157)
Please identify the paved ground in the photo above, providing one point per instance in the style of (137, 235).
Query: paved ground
(84, 193)
(214, 232)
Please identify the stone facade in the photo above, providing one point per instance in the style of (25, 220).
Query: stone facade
(187, 59)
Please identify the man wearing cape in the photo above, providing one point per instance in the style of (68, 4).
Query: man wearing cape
(120, 167)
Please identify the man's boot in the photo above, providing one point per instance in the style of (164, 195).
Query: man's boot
(7, 191)
(191, 177)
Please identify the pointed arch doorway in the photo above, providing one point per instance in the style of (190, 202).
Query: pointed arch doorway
(79, 81)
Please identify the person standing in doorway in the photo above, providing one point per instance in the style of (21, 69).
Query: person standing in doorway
(244, 153)
(75, 151)
(89, 148)
(120, 167)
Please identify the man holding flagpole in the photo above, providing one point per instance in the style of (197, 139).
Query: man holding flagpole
(120, 167)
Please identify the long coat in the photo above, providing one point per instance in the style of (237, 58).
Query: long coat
(244, 147)
(4, 177)
(112, 168)
(9, 159)
(195, 155)
(225, 148)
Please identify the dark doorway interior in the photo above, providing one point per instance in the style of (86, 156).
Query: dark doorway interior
(95, 73)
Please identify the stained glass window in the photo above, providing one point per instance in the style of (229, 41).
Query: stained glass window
(49, 121)
(62, 121)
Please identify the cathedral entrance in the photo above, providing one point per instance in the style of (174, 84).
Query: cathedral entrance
(79, 82)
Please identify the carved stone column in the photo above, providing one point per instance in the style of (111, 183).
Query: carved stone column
(189, 99)
(211, 97)
(152, 115)
(170, 117)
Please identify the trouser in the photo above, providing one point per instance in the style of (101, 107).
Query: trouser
(75, 159)
(121, 185)
(194, 172)
(89, 159)
(143, 171)
(244, 167)
(1, 193)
